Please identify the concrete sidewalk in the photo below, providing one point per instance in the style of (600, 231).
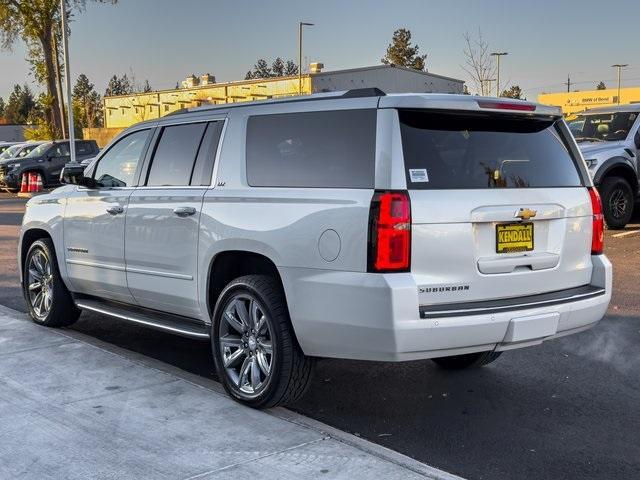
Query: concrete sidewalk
(72, 407)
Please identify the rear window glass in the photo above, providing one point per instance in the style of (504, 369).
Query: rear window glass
(449, 151)
(332, 149)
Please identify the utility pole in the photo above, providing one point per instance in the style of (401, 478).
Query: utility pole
(498, 55)
(619, 66)
(568, 83)
(67, 79)
(300, 25)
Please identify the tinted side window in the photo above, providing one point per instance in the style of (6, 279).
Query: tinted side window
(333, 149)
(117, 166)
(83, 148)
(175, 155)
(59, 150)
(467, 151)
(203, 168)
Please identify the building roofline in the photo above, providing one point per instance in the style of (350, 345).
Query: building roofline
(384, 66)
(210, 85)
(289, 77)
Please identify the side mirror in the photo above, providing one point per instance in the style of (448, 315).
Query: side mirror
(73, 174)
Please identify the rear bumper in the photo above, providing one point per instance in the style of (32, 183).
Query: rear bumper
(377, 317)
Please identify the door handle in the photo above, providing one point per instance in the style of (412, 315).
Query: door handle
(184, 211)
(115, 210)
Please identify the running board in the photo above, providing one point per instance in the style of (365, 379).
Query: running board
(157, 320)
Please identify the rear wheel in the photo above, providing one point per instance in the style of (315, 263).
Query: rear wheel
(617, 202)
(48, 301)
(257, 356)
(469, 360)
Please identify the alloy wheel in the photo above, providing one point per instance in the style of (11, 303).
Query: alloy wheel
(245, 343)
(40, 284)
(618, 203)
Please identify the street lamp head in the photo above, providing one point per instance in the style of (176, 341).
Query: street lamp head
(620, 65)
(498, 54)
(307, 24)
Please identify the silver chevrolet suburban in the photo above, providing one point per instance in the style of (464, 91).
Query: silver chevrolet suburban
(352, 225)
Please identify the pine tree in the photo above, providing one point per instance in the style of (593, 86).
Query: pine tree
(2, 107)
(601, 86)
(401, 52)
(290, 69)
(19, 105)
(513, 92)
(277, 67)
(87, 102)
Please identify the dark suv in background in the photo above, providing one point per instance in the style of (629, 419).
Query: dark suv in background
(47, 160)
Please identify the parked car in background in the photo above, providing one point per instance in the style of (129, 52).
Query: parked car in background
(5, 145)
(609, 139)
(352, 225)
(47, 159)
(19, 150)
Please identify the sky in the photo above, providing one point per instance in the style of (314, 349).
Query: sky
(166, 40)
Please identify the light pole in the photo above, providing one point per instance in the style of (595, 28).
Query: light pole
(498, 55)
(300, 25)
(619, 66)
(67, 79)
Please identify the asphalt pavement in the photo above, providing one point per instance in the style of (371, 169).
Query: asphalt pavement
(567, 409)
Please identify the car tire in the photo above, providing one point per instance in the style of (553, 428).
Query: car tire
(617, 202)
(257, 356)
(469, 360)
(49, 303)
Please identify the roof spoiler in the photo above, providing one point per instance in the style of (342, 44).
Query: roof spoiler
(363, 92)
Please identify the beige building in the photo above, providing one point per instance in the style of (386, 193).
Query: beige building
(122, 111)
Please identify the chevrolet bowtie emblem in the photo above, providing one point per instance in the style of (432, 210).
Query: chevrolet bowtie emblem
(525, 213)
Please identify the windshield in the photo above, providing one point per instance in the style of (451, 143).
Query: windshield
(25, 150)
(10, 152)
(602, 127)
(39, 150)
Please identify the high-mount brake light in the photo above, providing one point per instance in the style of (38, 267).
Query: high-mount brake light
(519, 106)
(390, 232)
(597, 238)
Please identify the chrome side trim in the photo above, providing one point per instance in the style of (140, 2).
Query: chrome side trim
(511, 304)
(118, 268)
(156, 273)
(85, 263)
(134, 319)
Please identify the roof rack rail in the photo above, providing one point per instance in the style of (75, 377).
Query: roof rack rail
(364, 92)
(177, 112)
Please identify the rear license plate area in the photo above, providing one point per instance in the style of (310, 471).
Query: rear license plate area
(514, 237)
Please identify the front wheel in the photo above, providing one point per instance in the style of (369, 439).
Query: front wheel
(257, 356)
(48, 301)
(617, 202)
(469, 360)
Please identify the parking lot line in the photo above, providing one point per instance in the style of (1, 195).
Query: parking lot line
(625, 234)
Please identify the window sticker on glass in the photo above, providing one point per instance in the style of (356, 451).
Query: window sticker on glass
(418, 175)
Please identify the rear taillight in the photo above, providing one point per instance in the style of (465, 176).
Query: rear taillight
(390, 232)
(597, 239)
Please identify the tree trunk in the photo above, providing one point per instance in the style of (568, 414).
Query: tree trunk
(56, 60)
(52, 91)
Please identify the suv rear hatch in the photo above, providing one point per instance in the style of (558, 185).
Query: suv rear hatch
(499, 208)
